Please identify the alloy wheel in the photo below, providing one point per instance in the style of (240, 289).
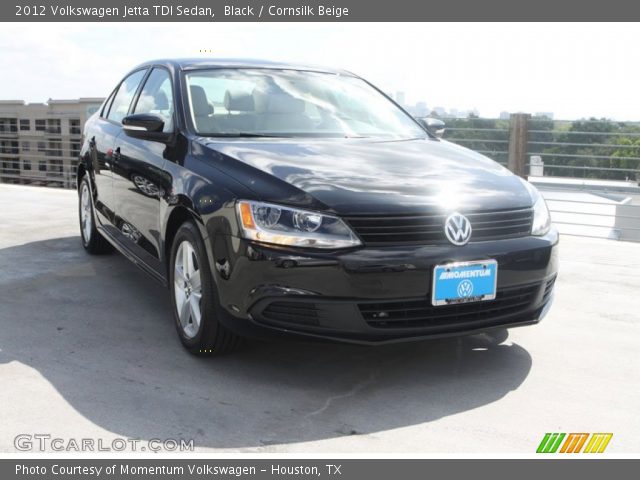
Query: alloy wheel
(86, 219)
(188, 289)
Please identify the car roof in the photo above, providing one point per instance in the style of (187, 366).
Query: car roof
(186, 64)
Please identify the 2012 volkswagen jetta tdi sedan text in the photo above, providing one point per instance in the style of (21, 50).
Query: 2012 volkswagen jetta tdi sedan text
(281, 198)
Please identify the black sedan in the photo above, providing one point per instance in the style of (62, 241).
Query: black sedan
(276, 198)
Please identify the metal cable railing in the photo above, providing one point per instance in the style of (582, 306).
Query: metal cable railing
(579, 165)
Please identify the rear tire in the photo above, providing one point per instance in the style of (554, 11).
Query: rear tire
(194, 296)
(92, 241)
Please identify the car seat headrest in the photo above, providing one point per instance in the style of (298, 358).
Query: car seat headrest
(201, 106)
(238, 101)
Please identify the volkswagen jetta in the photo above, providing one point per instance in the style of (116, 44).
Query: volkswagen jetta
(278, 198)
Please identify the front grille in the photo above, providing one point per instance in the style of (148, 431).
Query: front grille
(380, 230)
(303, 313)
(420, 313)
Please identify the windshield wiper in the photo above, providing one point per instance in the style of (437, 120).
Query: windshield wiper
(241, 135)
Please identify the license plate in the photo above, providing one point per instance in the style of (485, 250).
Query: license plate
(464, 282)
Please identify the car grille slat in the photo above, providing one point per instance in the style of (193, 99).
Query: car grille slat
(420, 313)
(293, 312)
(407, 232)
(525, 226)
(386, 230)
(548, 288)
(503, 213)
(448, 316)
(509, 220)
(366, 218)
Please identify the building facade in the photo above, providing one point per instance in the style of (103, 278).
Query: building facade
(40, 142)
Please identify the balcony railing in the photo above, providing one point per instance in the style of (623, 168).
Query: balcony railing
(588, 170)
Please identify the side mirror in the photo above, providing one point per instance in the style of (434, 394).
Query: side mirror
(145, 126)
(434, 125)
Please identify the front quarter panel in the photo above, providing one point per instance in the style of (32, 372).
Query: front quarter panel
(205, 192)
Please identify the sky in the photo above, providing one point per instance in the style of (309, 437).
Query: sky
(572, 70)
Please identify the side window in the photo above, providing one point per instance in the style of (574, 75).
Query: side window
(156, 97)
(122, 100)
(107, 104)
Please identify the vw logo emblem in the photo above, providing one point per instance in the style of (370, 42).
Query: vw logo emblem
(465, 289)
(457, 228)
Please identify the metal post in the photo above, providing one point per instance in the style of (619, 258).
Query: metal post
(518, 139)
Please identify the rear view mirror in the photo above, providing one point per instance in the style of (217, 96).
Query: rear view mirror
(433, 125)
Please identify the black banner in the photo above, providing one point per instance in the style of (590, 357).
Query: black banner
(343, 469)
(315, 11)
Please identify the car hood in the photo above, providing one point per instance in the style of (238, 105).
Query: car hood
(356, 176)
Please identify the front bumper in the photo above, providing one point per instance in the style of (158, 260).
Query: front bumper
(377, 295)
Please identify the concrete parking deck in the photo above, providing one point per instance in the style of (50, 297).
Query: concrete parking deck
(88, 349)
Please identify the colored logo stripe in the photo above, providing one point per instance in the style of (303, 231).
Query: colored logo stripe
(574, 442)
(550, 443)
(598, 442)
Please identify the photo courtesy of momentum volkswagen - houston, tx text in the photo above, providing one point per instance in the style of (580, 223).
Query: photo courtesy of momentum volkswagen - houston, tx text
(279, 198)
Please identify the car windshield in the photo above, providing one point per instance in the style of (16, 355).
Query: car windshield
(283, 103)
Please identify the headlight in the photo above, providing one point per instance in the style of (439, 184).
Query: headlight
(541, 217)
(269, 223)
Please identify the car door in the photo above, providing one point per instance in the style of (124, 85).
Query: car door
(140, 181)
(102, 144)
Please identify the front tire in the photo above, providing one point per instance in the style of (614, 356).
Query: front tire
(194, 296)
(92, 241)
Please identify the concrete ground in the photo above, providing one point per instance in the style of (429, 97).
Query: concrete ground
(88, 349)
